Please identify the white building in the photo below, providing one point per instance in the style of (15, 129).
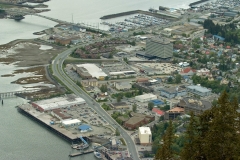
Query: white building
(145, 135)
(71, 123)
(93, 70)
(123, 85)
(146, 97)
(58, 102)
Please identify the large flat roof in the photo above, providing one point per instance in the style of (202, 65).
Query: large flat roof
(59, 102)
(199, 88)
(92, 69)
(145, 130)
(146, 96)
(71, 121)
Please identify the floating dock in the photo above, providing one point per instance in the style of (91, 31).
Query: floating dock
(80, 153)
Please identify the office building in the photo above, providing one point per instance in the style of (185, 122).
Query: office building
(160, 48)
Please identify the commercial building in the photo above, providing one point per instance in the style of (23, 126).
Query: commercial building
(198, 90)
(83, 73)
(89, 82)
(157, 102)
(122, 85)
(60, 114)
(172, 92)
(173, 113)
(160, 48)
(145, 135)
(59, 102)
(119, 105)
(138, 120)
(145, 97)
(71, 123)
(194, 105)
(93, 70)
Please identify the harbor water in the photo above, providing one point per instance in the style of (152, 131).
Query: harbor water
(21, 138)
(78, 11)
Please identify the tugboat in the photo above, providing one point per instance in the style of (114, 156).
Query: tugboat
(97, 154)
(17, 17)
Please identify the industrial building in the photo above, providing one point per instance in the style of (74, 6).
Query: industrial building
(198, 90)
(92, 70)
(159, 48)
(145, 135)
(138, 120)
(145, 97)
(59, 102)
(59, 114)
(71, 123)
(172, 92)
(119, 105)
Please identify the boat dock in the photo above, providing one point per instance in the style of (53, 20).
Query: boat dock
(80, 153)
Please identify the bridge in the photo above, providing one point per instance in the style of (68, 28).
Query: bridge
(81, 25)
(4, 95)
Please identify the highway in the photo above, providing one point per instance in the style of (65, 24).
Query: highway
(59, 73)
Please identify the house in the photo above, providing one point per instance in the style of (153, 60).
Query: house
(101, 96)
(122, 85)
(172, 92)
(188, 71)
(203, 72)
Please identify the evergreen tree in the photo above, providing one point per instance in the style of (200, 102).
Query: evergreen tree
(165, 152)
(222, 140)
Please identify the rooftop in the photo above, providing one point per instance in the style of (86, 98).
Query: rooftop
(160, 40)
(68, 122)
(176, 110)
(146, 96)
(158, 111)
(145, 130)
(199, 88)
(94, 70)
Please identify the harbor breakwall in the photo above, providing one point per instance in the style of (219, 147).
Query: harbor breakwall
(137, 12)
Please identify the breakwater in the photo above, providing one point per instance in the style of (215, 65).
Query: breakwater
(198, 2)
(137, 12)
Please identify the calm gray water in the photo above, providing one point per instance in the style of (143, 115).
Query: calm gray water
(20, 137)
(83, 11)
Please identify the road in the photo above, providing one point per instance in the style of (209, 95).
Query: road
(59, 73)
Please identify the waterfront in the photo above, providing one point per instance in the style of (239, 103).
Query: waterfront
(21, 138)
(79, 11)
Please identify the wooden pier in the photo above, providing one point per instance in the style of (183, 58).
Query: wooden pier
(80, 153)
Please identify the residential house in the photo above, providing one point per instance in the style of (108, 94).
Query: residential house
(188, 71)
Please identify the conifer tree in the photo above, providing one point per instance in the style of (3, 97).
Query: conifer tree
(222, 139)
(165, 152)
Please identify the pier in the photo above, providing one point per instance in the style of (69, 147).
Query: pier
(44, 120)
(80, 153)
(4, 95)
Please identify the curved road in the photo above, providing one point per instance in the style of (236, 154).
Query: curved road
(58, 72)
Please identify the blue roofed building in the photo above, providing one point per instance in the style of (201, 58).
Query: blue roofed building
(157, 102)
(84, 128)
(218, 38)
(172, 92)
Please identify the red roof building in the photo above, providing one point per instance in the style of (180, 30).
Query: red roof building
(188, 71)
(158, 112)
(228, 47)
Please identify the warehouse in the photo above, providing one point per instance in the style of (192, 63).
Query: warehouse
(145, 97)
(71, 123)
(59, 102)
(145, 135)
(93, 70)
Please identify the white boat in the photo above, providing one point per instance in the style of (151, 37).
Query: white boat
(97, 154)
